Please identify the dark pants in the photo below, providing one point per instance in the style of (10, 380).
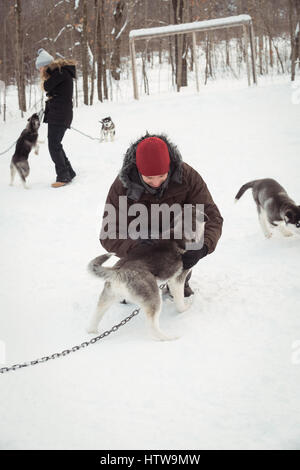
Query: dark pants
(64, 170)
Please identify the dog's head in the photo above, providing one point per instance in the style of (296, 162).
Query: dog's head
(187, 225)
(292, 220)
(106, 122)
(34, 122)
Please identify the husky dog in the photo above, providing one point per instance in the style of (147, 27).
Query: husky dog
(274, 207)
(107, 129)
(135, 277)
(27, 140)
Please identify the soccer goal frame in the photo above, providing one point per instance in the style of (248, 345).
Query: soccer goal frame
(244, 21)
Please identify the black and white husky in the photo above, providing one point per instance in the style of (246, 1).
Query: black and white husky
(27, 140)
(107, 129)
(274, 207)
(136, 277)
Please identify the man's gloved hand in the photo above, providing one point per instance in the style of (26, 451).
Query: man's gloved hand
(191, 257)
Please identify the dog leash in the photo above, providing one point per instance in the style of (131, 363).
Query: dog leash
(86, 135)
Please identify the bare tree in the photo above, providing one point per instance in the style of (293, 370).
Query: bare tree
(19, 58)
(117, 31)
(101, 54)
(294, 18)
(85, 54)
(180, 15)
(69, 28)
(95, 48)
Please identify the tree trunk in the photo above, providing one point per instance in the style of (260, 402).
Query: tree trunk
(99, 53)
(271, 52)
(116, 55)
(104, 51)
(227, 49)
(96, 12)
(84, 55)
(297, 34)
(144, 70)
(4, 70)
(19, 58)
(180, 11)
(294, 12)
(260, 52)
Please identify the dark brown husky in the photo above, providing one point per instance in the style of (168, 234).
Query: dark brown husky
(27, 140)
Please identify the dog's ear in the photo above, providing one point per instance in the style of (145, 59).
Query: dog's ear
(28, 119)
(101, 121)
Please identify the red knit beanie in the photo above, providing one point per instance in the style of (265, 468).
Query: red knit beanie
(152, 157)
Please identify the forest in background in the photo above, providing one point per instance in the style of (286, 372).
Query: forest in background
(95, 34)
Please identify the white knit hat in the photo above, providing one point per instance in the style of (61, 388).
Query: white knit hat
(43, 58)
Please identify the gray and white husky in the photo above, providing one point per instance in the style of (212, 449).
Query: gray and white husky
(107, 129)
(274, 207)
(136, 277)
(27, 140)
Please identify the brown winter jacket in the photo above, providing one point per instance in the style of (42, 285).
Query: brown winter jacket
(185, 187)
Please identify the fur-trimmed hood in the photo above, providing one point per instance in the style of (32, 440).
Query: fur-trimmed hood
(129, 173)
(68, 65)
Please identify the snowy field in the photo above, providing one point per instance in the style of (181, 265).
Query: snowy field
(232, 380)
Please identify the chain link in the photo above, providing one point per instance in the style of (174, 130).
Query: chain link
(73, 349)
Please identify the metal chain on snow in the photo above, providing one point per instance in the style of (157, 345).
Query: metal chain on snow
(73, 349)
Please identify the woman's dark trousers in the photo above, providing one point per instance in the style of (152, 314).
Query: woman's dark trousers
(64, 170)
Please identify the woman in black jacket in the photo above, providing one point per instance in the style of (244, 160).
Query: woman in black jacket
(57, 80)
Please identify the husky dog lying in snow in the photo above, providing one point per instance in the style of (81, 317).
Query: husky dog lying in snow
(135, 278)
(274, 207)
(107, 129)
(27, 140)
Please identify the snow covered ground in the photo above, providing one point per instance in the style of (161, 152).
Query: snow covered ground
(232, 380)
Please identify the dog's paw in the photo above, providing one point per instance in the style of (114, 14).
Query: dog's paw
(183, 308)
(187, 303)
(163, 337)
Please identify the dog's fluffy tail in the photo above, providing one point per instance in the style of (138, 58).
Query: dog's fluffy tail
(243, 189)
(95, 267)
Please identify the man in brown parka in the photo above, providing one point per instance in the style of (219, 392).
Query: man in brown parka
(153, 173)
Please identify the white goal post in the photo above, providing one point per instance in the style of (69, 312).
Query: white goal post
(245, 21)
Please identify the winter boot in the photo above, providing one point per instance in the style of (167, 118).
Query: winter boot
(59, 184)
